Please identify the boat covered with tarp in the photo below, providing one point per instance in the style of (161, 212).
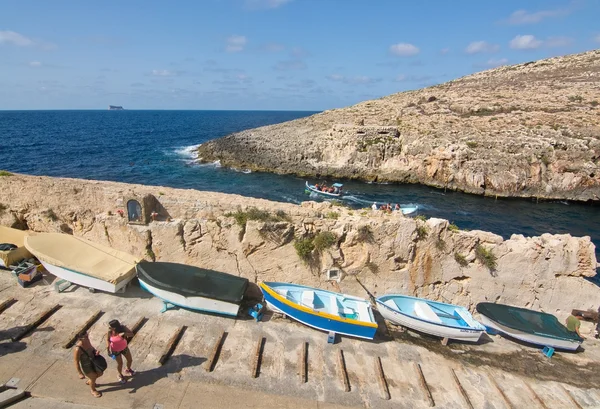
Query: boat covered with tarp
(324, 310)
(83, 262)
(431, 317)
(531, 326)
(12, 246)
(193, 287)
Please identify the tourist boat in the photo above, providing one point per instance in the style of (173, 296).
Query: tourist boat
(12, 250)
(324, 310)
(408, 209)
(527, 325)
(430, 317)
(83, 262)
(336, 193)
(193, 287)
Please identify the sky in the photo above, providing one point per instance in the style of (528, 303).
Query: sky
(267, 54)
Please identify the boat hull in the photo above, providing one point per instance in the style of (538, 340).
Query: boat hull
(313, 189)
(568, 345)
(314, 319)
(85, 280)
(192, 303)
(460, 334)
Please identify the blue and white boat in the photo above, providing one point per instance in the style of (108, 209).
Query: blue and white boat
(324, 310)
(336, 187)
(431, 317)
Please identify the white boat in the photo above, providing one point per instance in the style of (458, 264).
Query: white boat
(193, 287)
(83, 262)
(526, 325)
(337, 190)
(15, 246)
(431, 317)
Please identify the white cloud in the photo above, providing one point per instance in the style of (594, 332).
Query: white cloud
(236, 43)
(477, 47)
(164, 73)
(558, 41)
(290, 65)
(265, 4)
(444, 51)
(525, 42)
(404, 49)
(35, 64)
(10, 37)
(496, 62)
(525, 17)
(597, 38)
(400, 78)
(356, 80)
(273, 47)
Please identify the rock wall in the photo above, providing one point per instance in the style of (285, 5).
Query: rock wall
(529, 130)
(257, 239)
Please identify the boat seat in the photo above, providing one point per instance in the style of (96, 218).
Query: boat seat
(308, 298)
(465, 317)
(363, 312)
(424, 311)
(333, 306)
(390, 303)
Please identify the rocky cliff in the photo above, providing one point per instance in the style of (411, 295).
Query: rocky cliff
(264, 240)
(528, 130)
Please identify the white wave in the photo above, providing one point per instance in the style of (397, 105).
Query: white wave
(188, 152)
(246, 171)
(217, 163)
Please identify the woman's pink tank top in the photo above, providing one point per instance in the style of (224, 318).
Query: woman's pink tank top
(117, 343)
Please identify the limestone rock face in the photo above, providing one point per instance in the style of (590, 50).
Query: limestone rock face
(388, 253)
(528, 130)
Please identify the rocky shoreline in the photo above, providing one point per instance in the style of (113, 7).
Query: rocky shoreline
(531, 130)
(271, 241)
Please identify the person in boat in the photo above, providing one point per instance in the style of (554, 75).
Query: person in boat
(83, 355)
(117, 346)
(317, 186)
(397, 207)
(323, 187)
(574, 323)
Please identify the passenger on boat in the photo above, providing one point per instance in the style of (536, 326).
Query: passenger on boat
(397, 207)
(317, 186)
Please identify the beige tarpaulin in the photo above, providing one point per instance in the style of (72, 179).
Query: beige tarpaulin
(82, 256)
(16, 237)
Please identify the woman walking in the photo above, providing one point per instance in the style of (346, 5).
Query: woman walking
(116, 343)
(84, 354)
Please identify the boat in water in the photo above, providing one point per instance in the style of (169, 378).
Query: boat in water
(82, 262)
(534, 327)
(115, 108)
(334, 190)
(12, 246)
(324, 310)
(193, 287)
(430, 317)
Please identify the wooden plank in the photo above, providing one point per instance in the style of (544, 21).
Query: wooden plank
(136, 328)
(423, 384)
(501, 392)
(536, 396)
(462, 390)
(302, 356)
(172, 344)
(343, 373)
(385, 391)
(571, 397)
(215, 352)
(86, 326)
(7, 304)
(23, 332)
(258, 356)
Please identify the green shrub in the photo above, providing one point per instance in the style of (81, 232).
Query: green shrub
(339, 203)
(304, 248)
(324, 240)
(161, 193)
(282, 215)
(422, 232)
(485, 257)
(252, 213)
(461, 260)
(576, 98)
(3, 208)
(471, 144)
(594, 103)
(440, 245)
(365, 234)
(332, 215)
(5, 173)
(453, 228)
(421, 217)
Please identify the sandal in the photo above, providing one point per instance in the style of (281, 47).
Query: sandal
(96, 394)
(121, 379)
(129, 372)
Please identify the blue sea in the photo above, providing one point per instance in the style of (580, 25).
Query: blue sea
(157, 148)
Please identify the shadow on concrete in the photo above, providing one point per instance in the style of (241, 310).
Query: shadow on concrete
(9, 334)
(11, 347)
(146, 378)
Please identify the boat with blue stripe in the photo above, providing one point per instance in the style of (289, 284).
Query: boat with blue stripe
(431, 317)
(324, 310)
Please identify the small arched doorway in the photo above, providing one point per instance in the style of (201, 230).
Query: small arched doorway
(134, 211)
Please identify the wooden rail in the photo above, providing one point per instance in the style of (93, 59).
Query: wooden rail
(385, 391)
(342, 371)
(86, 326)
(23, 332)
(423, 384)
(7, 304)
(172, 344)
(462, 390)
(258, 356)
(215, 352)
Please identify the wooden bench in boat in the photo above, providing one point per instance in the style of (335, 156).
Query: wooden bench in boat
(424, 311)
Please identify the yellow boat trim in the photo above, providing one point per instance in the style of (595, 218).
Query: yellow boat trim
(284, 300)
